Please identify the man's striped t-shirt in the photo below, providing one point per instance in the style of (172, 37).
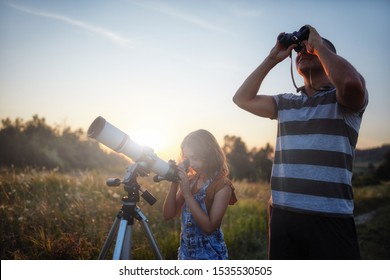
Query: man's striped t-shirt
(316, 140)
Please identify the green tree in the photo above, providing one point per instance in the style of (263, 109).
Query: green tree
(262, 162)
(12, 142)
(34, 143)
(383, 170)
(237, 157)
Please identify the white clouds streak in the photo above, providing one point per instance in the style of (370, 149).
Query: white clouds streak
(176, 13)
(112, 36)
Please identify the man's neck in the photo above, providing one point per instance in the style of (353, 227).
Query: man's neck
(314, 85)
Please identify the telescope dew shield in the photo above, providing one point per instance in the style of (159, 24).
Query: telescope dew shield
(115, 139)
(120, 142)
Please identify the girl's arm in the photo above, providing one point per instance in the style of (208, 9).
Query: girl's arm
(208, 223)
(173, 202)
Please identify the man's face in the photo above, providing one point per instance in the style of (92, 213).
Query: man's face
(304, 61)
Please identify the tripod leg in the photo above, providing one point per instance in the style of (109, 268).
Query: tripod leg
(120, 239)
(126, 247)
(145, 226)
(110, 238)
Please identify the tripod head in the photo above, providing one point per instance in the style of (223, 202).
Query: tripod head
(131, 185)
(129, 211)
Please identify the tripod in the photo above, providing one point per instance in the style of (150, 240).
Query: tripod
(125, 217)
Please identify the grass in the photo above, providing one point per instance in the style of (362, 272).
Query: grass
(374, 234)
(51, 215)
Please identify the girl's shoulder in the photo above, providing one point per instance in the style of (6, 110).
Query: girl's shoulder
(216, 185)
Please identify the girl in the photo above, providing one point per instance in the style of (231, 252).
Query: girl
(202, 195)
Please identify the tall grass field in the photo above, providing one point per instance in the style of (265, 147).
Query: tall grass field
(51, 215)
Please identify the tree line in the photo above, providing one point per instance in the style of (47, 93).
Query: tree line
(35, 144)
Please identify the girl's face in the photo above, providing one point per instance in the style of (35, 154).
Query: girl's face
(196, 163)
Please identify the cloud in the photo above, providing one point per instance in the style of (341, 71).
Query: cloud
(112, 36)
(176, 13)
(245, 12)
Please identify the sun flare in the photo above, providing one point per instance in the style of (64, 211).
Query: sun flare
(159, 142)
(151, 139)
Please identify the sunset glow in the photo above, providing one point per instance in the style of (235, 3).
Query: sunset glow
(161, 69)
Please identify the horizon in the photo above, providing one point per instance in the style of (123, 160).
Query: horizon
(163, 154)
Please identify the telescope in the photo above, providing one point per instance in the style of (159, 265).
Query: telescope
(115, 139)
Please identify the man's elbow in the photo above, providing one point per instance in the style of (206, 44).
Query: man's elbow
(235, 100)
(353, 95)
(239, 102)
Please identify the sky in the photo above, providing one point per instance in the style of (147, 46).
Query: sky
(158, 70)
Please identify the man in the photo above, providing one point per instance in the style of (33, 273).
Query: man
(311, 205)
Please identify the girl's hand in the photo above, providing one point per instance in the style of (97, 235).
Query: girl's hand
(184, 182)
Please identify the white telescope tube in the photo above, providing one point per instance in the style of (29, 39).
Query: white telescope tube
(117, 140)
